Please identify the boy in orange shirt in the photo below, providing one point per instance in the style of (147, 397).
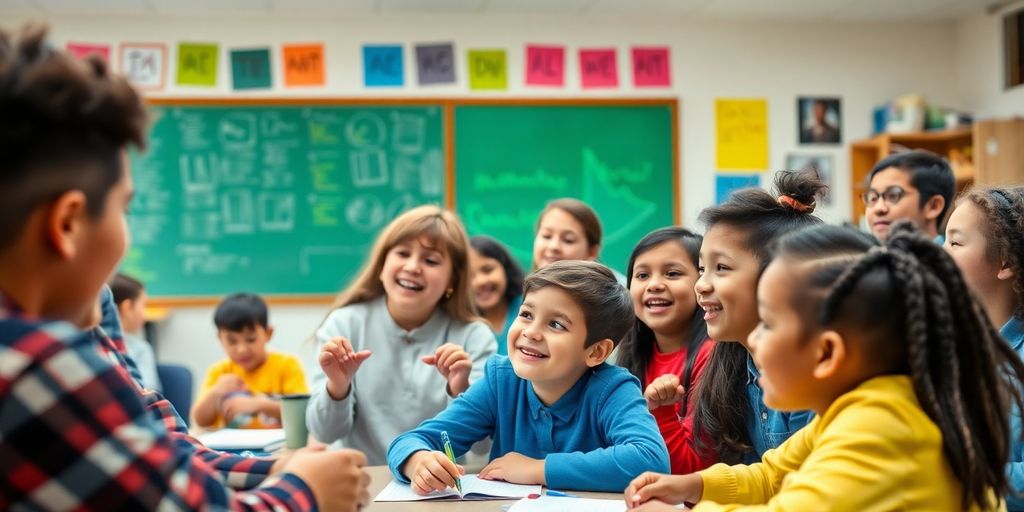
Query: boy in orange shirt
(235, 392)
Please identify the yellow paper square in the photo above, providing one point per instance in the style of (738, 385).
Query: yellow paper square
(487, 70)
(742, 134)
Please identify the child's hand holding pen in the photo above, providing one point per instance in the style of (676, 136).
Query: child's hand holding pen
(431, 471)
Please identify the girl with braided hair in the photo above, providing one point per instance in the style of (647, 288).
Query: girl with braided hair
(911, 384)
(985, 237)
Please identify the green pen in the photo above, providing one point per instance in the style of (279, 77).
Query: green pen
(451, 455)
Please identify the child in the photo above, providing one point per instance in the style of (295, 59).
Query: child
(568, 229)
(497, 283)
(557, 413)
(729, 410)
(985, 237)
(911, 385)
(407, 325)
(130, 297)
(235, 392)
(74, 431)
(913, 185)
(668, 345)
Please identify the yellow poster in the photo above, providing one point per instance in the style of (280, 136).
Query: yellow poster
(742, 134)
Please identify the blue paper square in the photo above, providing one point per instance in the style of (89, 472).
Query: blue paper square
(383, 66)
(726, 184)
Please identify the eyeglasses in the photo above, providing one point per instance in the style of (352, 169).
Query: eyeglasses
(891, 196)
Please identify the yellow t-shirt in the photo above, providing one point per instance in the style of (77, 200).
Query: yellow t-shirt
(873, 449)
(280, 374)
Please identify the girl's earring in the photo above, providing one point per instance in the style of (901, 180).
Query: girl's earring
(448, 293)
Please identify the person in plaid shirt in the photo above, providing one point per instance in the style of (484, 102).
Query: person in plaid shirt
(76, 431)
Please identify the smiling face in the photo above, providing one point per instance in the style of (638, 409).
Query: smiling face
(416, 273)
(784, 357)
(487, 280)
(560, 237)
(662, 287)
(882, 213)
(727, 287)
(545, 343)
(967, 245)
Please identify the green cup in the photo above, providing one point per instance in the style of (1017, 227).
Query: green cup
(293, 419)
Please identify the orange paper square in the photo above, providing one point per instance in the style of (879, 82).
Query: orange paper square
(303, 64)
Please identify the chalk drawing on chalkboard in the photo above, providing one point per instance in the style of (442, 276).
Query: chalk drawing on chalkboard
(237, 211)
(369, 168)
(406, 174)
(325, 176)
(200, 226)
(365, 213)
(271, 125)
(277, 211)
(409, 133)
(599, 187)
(432, 173)
(198, 172)
(238, 130)
(192, 128)
(365, 129)
(326, 210)
(324, 128)
(399, 205)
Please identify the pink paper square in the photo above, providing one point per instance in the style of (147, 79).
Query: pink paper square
(598, 68)
(545, 65)
(651, 67)
(83, 50)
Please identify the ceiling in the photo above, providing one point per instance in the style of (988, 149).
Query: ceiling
(767, 10)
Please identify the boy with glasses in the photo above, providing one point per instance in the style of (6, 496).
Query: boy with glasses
(915, 185)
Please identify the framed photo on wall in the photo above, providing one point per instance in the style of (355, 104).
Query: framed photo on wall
(820, 120)
(821, 162)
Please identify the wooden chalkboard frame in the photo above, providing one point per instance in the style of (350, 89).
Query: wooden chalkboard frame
(448, 106)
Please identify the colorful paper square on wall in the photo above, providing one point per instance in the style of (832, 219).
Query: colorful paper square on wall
(83, 50)
(383, 66)
(545, 65)
(197, 64)
(250, 69)
(144, 64)
(488, 70)
(435, 63)
(598, 68)
(651, 67)
(726, 184)
(303, 64)
(741, 128)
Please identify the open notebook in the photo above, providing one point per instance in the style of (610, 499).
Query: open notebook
(473, 488)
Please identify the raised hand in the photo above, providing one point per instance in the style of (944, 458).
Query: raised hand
(339, 362)
(453, 364)
(663, 391)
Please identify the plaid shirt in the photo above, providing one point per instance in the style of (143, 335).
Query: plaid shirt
(76, 432)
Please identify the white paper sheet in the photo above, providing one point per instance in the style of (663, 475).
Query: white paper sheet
(473, 488)
(560, 504)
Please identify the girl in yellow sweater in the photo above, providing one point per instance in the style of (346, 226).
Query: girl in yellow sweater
(910, 382)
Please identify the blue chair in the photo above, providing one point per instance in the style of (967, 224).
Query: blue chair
(177, 383)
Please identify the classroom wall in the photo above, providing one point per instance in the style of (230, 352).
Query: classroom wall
(980, 65)
(865, 64)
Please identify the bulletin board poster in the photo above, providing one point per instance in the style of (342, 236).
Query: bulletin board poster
(741, 129)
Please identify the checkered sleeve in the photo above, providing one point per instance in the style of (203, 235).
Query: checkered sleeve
(75, 435)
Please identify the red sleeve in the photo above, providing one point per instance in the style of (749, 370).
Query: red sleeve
(678, 433)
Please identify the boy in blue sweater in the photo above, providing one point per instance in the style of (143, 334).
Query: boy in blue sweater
(558, 414)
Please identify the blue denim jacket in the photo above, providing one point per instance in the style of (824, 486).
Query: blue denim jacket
(1013, 333)
(766, 427)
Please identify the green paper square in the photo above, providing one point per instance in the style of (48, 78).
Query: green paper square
(250, 69)
(197, 64)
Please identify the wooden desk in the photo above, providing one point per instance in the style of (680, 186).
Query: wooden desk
(380, 477)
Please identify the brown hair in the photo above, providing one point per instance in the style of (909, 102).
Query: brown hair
(580, 211)
(1003, 210)
(444, 229)
(64, 125)
(606, 304)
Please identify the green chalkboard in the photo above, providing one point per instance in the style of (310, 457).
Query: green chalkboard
(281, 199)
(618, 157)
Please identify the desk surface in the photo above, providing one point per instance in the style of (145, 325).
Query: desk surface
(380, 477)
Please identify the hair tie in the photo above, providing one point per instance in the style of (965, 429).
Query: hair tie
(796, 204)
